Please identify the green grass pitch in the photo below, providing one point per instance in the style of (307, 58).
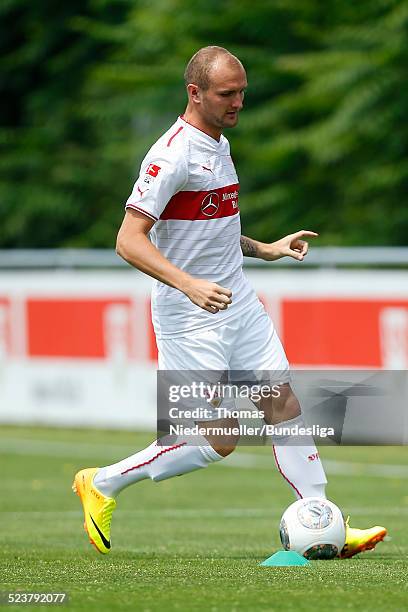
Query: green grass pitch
(195, 542)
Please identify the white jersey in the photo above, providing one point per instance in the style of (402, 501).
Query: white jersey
(189, 186)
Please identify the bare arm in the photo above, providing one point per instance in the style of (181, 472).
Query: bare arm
(291, 246)
(134, 246)
(249, 247)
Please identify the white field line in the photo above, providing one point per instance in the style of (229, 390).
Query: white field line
(50, 448)
(341, 468)
(180, 513)
(246, 460)
(177, 513)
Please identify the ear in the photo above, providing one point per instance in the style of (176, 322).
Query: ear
(194, 93)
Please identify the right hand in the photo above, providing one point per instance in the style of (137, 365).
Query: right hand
(208, 296)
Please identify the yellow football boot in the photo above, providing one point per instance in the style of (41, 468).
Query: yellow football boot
(97, 509)
(359, 540)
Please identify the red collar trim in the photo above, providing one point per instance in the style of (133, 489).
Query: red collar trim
(199, 130)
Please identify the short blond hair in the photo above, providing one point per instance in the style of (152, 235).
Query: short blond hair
(199, 67)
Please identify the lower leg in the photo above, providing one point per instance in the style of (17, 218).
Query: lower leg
(159, 462)
(298, 463)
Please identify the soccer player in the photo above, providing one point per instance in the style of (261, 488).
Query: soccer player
(182, 227)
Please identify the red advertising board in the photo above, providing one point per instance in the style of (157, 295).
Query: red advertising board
(345, 332)
(334, 332)
(78, 328)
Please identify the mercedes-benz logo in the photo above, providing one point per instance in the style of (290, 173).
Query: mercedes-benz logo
(210, 204)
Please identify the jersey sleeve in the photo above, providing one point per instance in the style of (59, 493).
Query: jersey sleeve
(161, 176)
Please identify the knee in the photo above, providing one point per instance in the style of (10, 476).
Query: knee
(291, 407)
(225, 448)
(224, 444)
(222, 435)
(283, 408)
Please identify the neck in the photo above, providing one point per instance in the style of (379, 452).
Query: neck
(196, 121)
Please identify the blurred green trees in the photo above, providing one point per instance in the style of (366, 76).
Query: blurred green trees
(87, 86)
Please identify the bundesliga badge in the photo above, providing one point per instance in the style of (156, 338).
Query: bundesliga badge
(153, 170)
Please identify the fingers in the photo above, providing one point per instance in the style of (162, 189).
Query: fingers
(220, 300)
(211, 309)
(209, 296)
(222, 296)
(295, 254)
(214, 308)
(302, 247)
(223, 291)
(299, 249)
(301, 233)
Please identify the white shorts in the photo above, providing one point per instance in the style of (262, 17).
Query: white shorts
(248, 343)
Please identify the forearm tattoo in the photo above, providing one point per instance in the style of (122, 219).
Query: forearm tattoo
(248, 247)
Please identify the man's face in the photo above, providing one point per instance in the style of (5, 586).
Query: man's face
(221, 102)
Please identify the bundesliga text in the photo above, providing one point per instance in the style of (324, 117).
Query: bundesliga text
(252, 430)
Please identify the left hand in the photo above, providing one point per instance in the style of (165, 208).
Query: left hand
(289, 246)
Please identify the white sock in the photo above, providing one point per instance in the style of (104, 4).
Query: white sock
(300, 466)
(155, 462)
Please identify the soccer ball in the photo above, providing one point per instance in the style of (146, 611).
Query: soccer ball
(313, 527)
